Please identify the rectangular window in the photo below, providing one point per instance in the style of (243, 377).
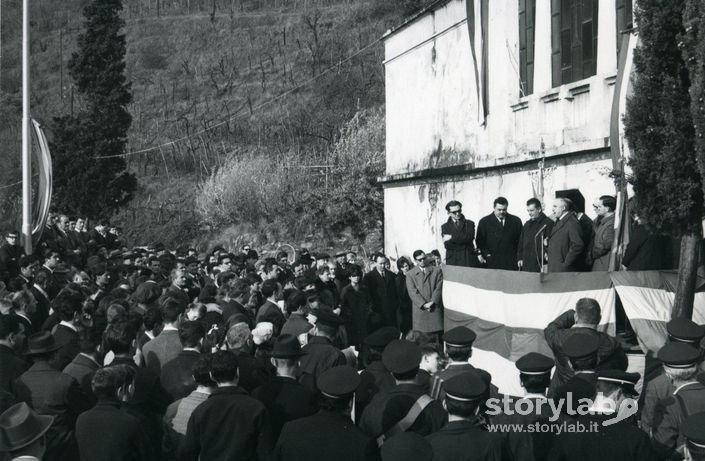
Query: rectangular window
(573, 40)
(527, 22)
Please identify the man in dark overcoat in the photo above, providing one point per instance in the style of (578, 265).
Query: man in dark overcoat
(498, 237)
(537, 228)
(565, 244)
(381, 286)
(459, 237)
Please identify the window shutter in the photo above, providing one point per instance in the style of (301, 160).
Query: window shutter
(556, 42)
(624, 19)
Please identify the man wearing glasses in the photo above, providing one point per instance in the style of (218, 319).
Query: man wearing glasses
(10, 254)
(425, 284)
(459, 237)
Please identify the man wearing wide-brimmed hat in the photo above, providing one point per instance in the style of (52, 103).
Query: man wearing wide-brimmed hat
(52, 393)
(22, 433)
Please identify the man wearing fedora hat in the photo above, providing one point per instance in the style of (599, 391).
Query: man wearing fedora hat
(283, 396)
(52, 393)
(22, 433)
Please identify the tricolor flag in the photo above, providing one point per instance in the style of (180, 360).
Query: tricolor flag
(509, 310)
(477, 20)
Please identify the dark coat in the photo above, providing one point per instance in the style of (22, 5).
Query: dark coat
(285, 400)
(463, 441)
(460, 248)
(107, 433)
(375, 378)
(177, 293)
(11, 368)
(321, 355)
(587, 231)
(355, 306)
(252, 372)
(530, 245)
(270, 312)
(610, 352)
(498, 244)
(686, 400)
(405, 314)
(177, 377)
(383, 294)
(50, 392)
(233, 307)
(565, 246)
(10, 256)
(325, 436)
(82, 370)
(422, 288)
(41, 312)
(377, 417)
(645, 250)
(296, 325)
(249, 436)
(601, 244)
(622, 441)
(70, 344)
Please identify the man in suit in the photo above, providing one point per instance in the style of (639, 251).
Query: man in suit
(167, 346)
(465, 394)
(458, 342)
(381, 286)
(583, 320)
(105, 432)
(459, 237)
(52, 393)
(178, 288)
(68, 306)
(11, 365)
(320, 352)
(270, 311)
(39, 289)
(283, 396)
(425, 285)
(565, 244)
(87, 361)
(328, 434)
(498, 237)
(249, 431)
(603, 237)
(536, 228)
(252, 372)
(176, 376)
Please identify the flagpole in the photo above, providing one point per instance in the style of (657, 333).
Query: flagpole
(26, 159)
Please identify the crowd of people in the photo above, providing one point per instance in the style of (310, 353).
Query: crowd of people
(110, 353)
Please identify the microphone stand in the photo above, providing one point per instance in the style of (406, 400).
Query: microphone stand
(539, 256)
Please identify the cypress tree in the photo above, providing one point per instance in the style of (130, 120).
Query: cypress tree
(659, 128)
(86, 185)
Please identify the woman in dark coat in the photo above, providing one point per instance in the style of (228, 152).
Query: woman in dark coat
(404, 311)
(355, 305)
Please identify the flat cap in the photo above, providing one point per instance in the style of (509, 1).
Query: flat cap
(381, 337)
(338, 382)
(682, 329)
(581, 345)
(693, 429)
(679, 355)
(407, 446)
(401, 356)
(465, 387)
(327, 317)
(341, 254)
(459, 336)
(534, 363)
(622, 378)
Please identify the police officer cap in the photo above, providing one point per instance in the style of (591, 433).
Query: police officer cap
(621, 378)
(381, 337)
(581, 345)
(338, 382)
(459, 337)
(401, 356)
(679, 355)
(682, 329)
(465, 387)
(534, 363)
(407, 446)
(326, 317)
(693, 429)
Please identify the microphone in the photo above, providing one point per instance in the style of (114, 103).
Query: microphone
(543, 228)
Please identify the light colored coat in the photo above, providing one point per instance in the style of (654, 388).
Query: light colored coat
(602, 244)
(424, 288)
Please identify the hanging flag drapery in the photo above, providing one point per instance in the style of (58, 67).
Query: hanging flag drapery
(618, 146)
(43, 201)
(477, 19)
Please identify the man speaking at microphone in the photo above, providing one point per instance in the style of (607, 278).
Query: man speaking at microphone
(538, 227)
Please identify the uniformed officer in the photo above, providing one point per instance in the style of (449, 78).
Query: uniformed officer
(458, 342)
(581, 351)
(404, 407)
(375, 377)
(329, 434)
(660, 387)
(463, 439)
(693, 430)
(407, 446)
(535, 377)
(607, 432)
(680, 363)
(320, 354)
